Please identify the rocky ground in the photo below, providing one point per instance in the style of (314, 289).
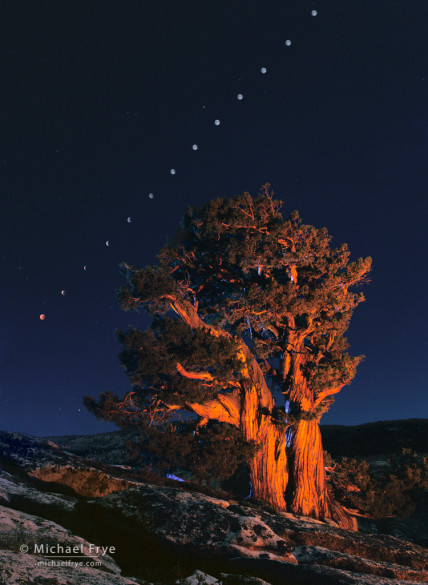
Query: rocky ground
(163, 533)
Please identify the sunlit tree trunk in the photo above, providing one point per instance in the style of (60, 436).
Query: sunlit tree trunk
(268, 468)
(308, 487)
(307, 492)
(308, 484)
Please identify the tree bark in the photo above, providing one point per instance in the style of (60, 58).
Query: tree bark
(308, 487)
(308, 490)
(268, 468)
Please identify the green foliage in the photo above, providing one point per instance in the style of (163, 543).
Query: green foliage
(212, 452)
(125, 413)
(150, 360)
(238, 485)
(146, 288)
(380, 491)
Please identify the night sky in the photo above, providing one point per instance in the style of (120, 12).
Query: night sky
(100, 100)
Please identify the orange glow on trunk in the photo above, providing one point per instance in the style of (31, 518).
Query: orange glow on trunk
(309, 485)
(268, 468)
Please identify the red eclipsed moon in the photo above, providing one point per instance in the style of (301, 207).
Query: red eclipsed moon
(42, 317)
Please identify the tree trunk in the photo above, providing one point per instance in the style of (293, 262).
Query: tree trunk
(307, 491)
(308, 487)
(268, 468)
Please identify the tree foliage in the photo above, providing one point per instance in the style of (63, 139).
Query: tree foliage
(391, 489)
(241, 298)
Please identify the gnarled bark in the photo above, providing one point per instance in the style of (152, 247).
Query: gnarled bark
(268, 468)
(308, 485)
(307, 492)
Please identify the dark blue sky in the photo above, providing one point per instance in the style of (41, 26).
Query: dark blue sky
(100, 99)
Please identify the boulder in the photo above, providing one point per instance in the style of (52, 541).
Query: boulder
(36, 551)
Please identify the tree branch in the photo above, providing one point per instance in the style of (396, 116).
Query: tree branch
(224, 408)
(189, 314)
(207, 377)
(194, 375)
(329, 392)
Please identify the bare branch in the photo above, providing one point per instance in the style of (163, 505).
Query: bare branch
(224, 409)
(329, 392)
(194, 375)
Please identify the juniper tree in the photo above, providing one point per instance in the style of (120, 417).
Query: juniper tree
(247, 305)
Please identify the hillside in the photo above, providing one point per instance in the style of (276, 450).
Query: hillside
(159, 531)
(377, 438)
(365, 440)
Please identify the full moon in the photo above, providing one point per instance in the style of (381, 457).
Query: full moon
(42, 317)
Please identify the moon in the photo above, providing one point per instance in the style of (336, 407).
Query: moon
(42, 317)
(107, 243)
(63, 292)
